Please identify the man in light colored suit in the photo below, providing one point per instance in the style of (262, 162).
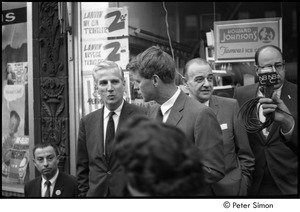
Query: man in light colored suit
(46, 159)
(155, 75)
(98, 172)
(275, 150)
(239, 159)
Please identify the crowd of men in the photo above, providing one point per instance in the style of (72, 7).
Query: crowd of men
(185, 145)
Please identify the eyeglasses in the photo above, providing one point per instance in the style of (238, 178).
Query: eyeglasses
(276, 66)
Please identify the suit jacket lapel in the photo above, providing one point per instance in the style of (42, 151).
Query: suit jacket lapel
(59, 186)
(214, 104)
(125, 113)
(175, 113)
(99, 126)
(152, 112)
(37, 190)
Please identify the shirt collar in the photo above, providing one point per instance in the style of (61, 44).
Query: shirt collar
(117, 111)
(206, 103)
(52, 180)
(168, 104)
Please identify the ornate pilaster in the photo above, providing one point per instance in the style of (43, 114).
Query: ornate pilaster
(51, 81)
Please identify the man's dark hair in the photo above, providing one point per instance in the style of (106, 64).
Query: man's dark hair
(264, 47)
(154, 61)
(44, 145)
(132, 65)
(158, 159)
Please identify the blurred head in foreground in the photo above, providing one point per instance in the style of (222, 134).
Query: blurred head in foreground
(158, 159)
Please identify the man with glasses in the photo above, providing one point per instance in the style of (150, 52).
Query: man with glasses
(275, 149)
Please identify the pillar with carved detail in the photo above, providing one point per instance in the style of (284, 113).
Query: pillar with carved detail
(50, 73)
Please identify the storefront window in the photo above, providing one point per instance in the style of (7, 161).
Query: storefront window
(15, 122)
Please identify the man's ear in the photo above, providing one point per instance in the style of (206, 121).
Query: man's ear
(184, 81)
(155, 80)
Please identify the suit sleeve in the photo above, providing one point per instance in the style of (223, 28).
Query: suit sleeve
(82, 162)
(243, 148)
(292, 143)
(208, 138)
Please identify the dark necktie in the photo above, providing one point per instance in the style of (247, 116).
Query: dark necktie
(110, 134)
(48, 184)
(159, 115)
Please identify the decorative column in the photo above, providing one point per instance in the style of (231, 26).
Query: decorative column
(50, 73)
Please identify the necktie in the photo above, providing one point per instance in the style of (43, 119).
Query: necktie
(110, 134)
(48, 184)
(159, 115)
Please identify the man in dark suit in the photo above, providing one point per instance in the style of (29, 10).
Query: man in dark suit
(98, 172)
(46, 159)
(239, 159)
(155, 75)
(275, 150)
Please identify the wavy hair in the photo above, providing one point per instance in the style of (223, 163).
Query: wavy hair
(158, 159)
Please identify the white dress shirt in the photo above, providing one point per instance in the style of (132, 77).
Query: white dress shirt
(166, 107)
(44, 186)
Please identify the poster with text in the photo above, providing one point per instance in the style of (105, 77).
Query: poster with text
(104, 23)
(237, 41)
(114, 50)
